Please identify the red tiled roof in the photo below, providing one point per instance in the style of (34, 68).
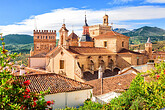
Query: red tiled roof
(54, 82)
(89, 50)
(110, 84)
(52, 51)
(109, 34)
(40, 55)
(73, 36)
(126, 51)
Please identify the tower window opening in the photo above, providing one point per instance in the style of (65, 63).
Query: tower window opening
(41, 37)
(123, 44)
(37, 37)
(49, 37)
(46, 37)
(105, 43)
(104, 20)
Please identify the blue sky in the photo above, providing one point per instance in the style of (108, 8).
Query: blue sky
(22, 16)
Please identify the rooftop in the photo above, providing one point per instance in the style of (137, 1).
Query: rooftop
(109, 34)
(118, 82)
(126, 51)
(88, 50)
(54, 82)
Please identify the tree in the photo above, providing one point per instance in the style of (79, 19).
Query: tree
(15, 94)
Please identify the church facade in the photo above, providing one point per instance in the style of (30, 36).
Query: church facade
(80, 59)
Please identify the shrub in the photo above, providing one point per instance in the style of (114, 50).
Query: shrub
(15, 94)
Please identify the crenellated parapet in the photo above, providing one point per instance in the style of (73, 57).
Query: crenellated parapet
(44, 31)
(44, 41)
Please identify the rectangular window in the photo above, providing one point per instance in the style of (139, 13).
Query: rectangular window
(105, 43)
(123, 44)
(61, 64)
(137, 61)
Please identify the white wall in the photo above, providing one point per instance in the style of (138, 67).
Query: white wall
(37, 62)
(69, 99)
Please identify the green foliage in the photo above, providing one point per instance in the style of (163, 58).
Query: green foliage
(18, 39)
(19, 48)
(157, 45)
(142, 94)
(14, 93)
(141, 35)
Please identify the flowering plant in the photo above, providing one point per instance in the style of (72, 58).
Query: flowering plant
(15, 94)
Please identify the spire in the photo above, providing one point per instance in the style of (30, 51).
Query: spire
(85, 20)
(149, 40)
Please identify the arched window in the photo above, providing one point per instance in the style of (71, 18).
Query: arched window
(110, 64)
(49, 37)
(91, 65)
(41, 37)
(37, 37)
(46, 37)
(104, 20)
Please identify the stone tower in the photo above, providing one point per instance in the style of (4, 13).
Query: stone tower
(148, 48)
(44, 41)
(63, 41)
(86, 40)
(105, 20)
(96, 30)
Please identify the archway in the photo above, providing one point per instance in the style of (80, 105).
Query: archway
(116, 70)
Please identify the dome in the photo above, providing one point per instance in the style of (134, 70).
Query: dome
(73, 36)
(86, 38)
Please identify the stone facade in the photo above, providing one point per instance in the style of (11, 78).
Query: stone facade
(99, 46)
(44, 41)
(96, 30)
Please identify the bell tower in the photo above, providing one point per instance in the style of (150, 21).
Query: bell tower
(63, 36)
(105, 20)
(148, 48)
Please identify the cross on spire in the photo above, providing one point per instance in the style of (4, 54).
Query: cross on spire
(63, 21)
(85, 20)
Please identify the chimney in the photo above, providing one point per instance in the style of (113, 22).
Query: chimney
(100, 76)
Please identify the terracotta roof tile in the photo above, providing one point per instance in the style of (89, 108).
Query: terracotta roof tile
(89, 50)
(73, 36)
(126, 51)
(110, 84)
(40, 55)
(109, 34)
(54, 82)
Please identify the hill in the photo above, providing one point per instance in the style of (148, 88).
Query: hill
(141, 35)
(121, 30)
(18, 39)
(157, 45)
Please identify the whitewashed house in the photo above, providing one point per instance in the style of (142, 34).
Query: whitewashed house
(64, 91)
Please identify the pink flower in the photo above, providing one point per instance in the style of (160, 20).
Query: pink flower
(26, 83)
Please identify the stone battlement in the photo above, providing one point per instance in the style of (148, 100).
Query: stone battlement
(44, 31)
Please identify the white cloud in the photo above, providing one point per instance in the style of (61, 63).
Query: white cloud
(155, 1)
(75, 17)
(119, 1)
